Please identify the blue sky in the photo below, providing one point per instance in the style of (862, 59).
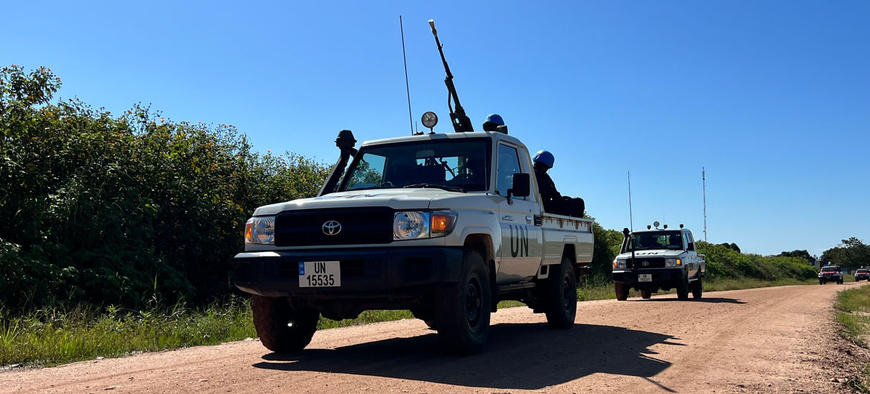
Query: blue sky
(771, 97)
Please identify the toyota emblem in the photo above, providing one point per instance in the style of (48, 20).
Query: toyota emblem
(331, 227)
(645, 263)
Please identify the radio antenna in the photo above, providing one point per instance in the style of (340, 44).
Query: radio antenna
(407, 85)
(704, 183)
(630, 214)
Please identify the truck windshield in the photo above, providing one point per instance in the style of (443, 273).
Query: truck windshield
(455, 165)
(655, 240)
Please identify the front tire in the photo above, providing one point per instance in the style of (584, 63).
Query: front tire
(561, 296)
(645, 294)
(698, 288)
(281, 328)
(463, 312)
(621, 291)
(683, 289)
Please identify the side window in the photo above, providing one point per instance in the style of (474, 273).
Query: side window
(508, 165)
(690, 241)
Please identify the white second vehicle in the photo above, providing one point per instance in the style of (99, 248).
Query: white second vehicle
(659, 259)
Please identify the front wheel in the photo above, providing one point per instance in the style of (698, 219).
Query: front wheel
(281, 328)
(621, 291)
(463, 311)
(683, 289)
(561, 295)
(645, 294)
(697, 288)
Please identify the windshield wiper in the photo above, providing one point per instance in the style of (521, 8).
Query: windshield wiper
(435, 185)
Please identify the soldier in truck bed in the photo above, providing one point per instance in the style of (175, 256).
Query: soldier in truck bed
(543, 162)
(554, 202)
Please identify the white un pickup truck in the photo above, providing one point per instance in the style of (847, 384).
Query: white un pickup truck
(443, 225)
(656, 259)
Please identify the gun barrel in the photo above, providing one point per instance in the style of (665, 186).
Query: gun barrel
(461, 122)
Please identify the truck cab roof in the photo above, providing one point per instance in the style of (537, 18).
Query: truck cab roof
(439, 136)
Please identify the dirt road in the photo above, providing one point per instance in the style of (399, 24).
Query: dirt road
(777, 340)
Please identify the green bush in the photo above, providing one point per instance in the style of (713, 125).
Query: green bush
(726, 263)
(120, 210)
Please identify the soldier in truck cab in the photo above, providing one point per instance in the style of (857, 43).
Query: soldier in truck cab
(493, 123)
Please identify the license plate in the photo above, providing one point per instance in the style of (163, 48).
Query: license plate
(319, 274)
(644, 277)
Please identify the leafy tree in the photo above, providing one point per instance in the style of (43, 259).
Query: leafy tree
(852, 253)
(732, 246)
(122, 210)
(606, 247)
(800, 253)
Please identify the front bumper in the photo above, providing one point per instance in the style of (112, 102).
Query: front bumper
(662, 278)
(369, 273)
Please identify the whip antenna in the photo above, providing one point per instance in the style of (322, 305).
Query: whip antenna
(407, 85)
(704, 182)
(630, 215)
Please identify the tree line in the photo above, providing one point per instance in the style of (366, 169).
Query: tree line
(124, 210)
(136, 209)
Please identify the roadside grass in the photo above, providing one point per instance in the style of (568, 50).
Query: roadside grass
(51, 336)
(852, 313)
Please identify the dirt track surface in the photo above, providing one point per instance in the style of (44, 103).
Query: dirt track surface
(777, 340)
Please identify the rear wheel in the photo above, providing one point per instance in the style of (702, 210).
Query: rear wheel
(281, 328)
(645, 294)
(697, 288)
(561, 295)
(683, 289)
(463, 311)
(621, 291)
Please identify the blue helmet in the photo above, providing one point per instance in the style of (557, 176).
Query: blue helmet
(492, 122)
(495, 118)
(545, 158)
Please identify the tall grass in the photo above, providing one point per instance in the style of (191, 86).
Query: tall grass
(853, 316)
(51, 336)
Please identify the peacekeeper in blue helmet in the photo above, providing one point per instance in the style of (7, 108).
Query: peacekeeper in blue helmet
(543, 162)
(554, 202)
(492, 123)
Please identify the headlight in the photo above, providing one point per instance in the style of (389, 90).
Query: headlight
(410, 225)
(260, 230)
(418, 224)
(618, 264)
(673, 263)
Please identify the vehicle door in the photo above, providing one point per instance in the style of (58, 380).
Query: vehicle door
(521, 247)
(693, 261)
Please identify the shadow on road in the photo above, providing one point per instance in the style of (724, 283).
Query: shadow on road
(705, 300)
(517, 356)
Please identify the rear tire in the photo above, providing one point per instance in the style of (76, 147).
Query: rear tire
(621, 291)
(683, 289)
(561, 296)
(281, 328)
(463, 311)
(698, 289)
(645, 294)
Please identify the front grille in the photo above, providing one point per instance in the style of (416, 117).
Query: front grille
(358, 226)
(651, 263)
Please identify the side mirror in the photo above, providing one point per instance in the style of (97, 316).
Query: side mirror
(521, 186)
